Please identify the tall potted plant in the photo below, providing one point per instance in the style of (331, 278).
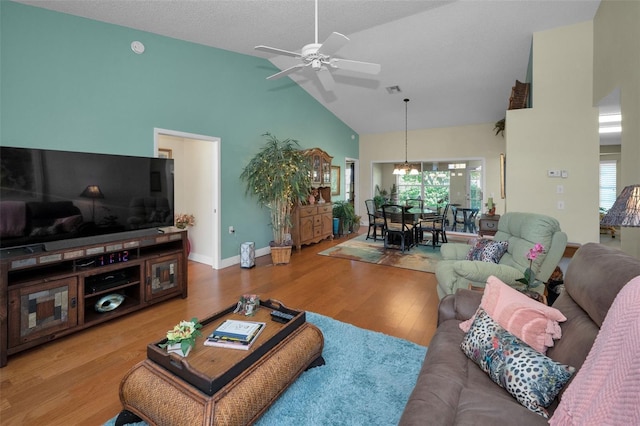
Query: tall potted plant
(279, 175)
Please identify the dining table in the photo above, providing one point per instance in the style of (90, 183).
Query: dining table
(416, 213)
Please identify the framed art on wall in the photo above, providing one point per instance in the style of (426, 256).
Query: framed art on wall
(335, 180)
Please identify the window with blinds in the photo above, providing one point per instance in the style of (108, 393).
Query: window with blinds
(608, 190)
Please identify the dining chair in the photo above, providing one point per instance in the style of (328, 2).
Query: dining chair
(399, 227)
(455, 218)
(465, 217)
(470, 222)
(375, 221)
(415, 202)
(436, 225)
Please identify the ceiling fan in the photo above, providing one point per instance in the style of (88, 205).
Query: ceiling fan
(319, 58)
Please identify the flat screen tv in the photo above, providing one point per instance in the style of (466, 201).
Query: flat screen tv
(57, 199)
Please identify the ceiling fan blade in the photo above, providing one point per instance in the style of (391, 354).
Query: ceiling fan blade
(333, 43)
(356, 66)
(286, 72)
(326, 79)
(277, 51)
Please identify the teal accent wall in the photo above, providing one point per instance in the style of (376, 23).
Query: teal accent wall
(74, 84)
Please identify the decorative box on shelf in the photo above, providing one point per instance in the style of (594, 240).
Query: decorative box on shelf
(488, 225)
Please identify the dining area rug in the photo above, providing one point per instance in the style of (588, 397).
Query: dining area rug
(419, 258)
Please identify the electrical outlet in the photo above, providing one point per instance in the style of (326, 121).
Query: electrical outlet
(560, 205)
(231, 230)
(560, 189)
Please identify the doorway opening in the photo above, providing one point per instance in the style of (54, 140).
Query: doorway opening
(351, 170)
(197, 188)
(610, 130)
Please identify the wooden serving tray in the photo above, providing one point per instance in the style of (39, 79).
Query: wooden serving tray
(210, 368)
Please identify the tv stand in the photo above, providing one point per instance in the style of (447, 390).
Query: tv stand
(45, 295)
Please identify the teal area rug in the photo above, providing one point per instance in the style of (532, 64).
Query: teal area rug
(367, 379)
(420, 258)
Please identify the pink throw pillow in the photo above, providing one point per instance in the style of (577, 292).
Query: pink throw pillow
(531, 321)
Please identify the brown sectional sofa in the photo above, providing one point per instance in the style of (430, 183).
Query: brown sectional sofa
(452, 390)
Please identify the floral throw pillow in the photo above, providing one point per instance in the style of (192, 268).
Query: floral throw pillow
(529, 376)
(487, 250)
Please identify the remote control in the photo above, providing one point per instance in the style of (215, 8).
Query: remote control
(281, 316)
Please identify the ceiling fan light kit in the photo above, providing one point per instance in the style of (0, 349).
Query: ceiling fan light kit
(318, 56)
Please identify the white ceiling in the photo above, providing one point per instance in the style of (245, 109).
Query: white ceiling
(455, 60)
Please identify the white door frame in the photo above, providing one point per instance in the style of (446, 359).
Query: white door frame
(215, 176)
(356, 176)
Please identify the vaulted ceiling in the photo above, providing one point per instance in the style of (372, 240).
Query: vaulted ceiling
(455, 60)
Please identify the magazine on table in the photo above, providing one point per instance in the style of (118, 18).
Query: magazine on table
(216, 340)
(237, 329)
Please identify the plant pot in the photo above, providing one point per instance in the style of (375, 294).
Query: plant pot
(344, 227)
(280, 255)
(176, 348)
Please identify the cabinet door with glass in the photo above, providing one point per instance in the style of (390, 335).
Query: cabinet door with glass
(163, 277)
(316, 170)
(320, 167)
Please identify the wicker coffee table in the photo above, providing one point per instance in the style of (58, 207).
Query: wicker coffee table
(220, 386)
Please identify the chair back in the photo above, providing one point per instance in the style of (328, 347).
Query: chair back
(395, 218)
(454, 212)
(444, 213)
(522, 231)
(443, 218)
(415, 202)
(371, 209)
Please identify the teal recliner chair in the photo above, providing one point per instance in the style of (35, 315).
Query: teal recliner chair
(522, 231)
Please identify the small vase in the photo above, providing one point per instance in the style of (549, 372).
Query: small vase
(176, 348)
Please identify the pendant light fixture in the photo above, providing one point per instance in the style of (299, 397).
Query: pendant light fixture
(406, 168)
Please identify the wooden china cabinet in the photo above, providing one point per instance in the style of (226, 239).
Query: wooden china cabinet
(320, 167)
(314, 222)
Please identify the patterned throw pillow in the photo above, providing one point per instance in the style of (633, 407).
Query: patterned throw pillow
(530, 377)
(487, 250)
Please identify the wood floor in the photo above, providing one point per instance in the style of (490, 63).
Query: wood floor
(75, 380)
